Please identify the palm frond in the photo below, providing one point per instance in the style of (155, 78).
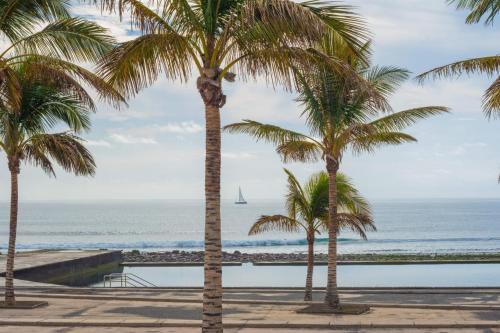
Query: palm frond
(73, 39)
(37, 157)
(370, 142)
(491, 100)
(359, 223)
(300, 151)
(66, 149)
(316, 189)
(478, 9)
(274, 223)
(402, 119)
(69, 77)
(19, 18)
(43, 108)
(386, 79)
(270, 133)
(486, 65)
(342, 20)
(349, 200)
(296, 200)
(136, 64)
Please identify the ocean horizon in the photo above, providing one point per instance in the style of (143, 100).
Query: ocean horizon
(404, 226)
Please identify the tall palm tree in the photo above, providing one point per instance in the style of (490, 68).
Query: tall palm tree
(307, 210)
(340, 117)
(489, 65)
(217, 39)
(41, 42)
(25, 137)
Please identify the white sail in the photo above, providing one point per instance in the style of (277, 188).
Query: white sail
(241, 200)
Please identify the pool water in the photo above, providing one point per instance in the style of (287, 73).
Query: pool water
(248, 275)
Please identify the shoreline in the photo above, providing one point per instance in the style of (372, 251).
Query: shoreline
(186, 258)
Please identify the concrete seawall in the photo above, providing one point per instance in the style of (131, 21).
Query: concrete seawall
(74, 268)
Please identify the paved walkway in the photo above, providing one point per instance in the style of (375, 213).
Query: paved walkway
(411, 297)
(82, 310)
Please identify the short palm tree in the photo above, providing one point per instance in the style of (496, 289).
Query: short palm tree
(489, 65)
(216, 39)
(25, 137)
(307, 210)
(340, 117)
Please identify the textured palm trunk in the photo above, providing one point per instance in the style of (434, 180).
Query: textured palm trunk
(310, 266)
(211, 93)
(332, 296)
(10, 298)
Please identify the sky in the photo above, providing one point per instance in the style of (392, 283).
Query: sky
(154, 149)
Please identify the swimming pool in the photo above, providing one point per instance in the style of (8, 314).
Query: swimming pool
(248, 275)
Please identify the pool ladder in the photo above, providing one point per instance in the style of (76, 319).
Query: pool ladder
(126, 280)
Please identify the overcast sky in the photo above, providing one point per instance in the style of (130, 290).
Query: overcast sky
(155, 148)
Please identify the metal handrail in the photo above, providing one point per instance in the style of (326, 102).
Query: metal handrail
(126, 280)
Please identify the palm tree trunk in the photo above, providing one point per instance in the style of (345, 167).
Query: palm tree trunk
(310, 266)
(213, 98)
(10, 298)
(332, 296)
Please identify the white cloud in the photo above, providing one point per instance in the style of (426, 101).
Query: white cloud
(130, 139)
(98, 143)
(119, 29)
(258, 101)
(185, 127)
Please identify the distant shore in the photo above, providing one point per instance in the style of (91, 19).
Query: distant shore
(263, 258)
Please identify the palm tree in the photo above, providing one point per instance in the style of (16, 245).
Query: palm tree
(489, 65)
(25, 137)
(41, 42)
(307, 210)
(340, 117)
(216, 39)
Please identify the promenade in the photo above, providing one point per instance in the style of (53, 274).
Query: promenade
(179, 310)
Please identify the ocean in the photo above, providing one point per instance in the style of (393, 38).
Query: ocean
(417, 226)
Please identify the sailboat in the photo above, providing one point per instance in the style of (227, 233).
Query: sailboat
(241, 200)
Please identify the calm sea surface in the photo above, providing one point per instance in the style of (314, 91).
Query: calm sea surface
(436, 226)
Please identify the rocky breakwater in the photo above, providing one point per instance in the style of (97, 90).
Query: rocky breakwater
(197, 256)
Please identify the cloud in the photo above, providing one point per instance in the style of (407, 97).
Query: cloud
(98, 143)
(130, 139)
(185, 127)
(258, 101)
(119, 29)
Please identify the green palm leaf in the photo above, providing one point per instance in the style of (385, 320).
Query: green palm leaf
(73, 39)
(478, 9)
(19, 18)
(402, 119)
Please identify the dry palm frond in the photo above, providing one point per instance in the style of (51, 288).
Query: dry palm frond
(487, 65)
